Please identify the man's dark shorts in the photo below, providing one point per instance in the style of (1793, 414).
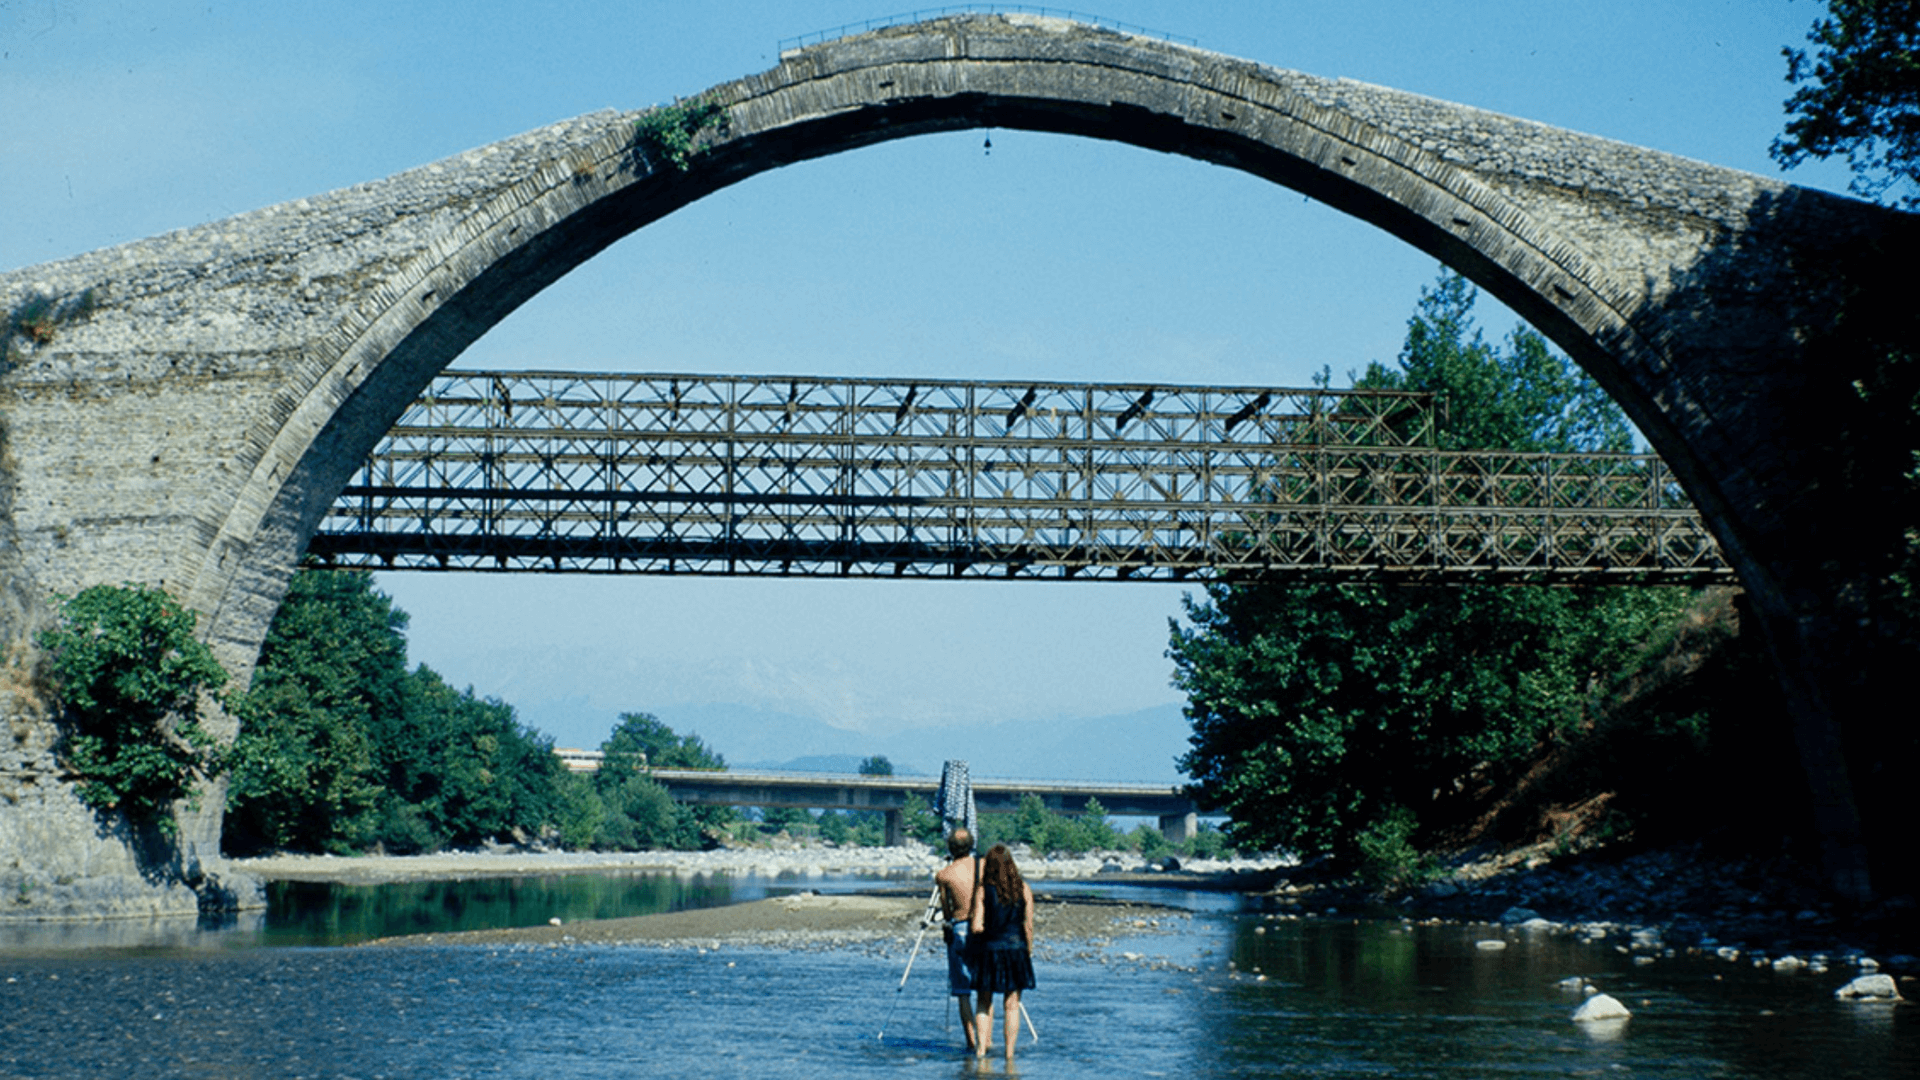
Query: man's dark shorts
(959, 961)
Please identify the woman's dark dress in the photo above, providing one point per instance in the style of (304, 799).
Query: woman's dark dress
(1003, 963)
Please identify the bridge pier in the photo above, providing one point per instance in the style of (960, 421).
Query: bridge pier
(1179, 828)
(896, 830)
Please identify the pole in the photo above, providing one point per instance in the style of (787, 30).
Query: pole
(1029, 1018)
(926, 920)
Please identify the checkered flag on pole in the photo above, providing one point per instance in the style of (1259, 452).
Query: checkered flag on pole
(953, 803)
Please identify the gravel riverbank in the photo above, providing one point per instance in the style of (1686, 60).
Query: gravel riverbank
(884, 920)
(879, 923)
(771, 862)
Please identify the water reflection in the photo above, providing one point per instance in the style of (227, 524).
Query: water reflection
(1328, 997)
(1338, 999)
(321, 913)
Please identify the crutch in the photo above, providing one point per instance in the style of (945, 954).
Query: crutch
(926, 920)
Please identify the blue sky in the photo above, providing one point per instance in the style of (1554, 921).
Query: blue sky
(1047, 258)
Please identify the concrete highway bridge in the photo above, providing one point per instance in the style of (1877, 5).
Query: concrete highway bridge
(185, 411)
(889, 794)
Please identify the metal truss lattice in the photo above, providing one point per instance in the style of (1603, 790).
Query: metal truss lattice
(685, 474)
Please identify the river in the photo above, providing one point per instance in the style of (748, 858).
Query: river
(1228, 993)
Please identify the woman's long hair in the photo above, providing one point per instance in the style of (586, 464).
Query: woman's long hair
(1005, 878)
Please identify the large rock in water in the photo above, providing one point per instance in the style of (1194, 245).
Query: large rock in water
(1600, 1007)
(1870, 987)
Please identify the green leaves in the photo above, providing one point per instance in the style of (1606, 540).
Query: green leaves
(125, 663)
(641, 740)
(1326, 716)
(1859, 96)
(670, 134)
(341, 747)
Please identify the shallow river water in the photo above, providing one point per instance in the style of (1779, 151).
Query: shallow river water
(1226, 994)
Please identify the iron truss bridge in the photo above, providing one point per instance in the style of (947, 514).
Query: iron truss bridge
(685, 474)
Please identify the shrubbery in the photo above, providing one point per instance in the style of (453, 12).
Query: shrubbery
(125, 665)
(342, 748)
(1338, 718)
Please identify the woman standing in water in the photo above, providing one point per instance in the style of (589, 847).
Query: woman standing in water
(1002, 931)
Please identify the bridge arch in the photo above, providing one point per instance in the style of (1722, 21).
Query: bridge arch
(1661, 276)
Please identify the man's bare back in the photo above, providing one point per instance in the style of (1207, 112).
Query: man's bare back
(957, 878)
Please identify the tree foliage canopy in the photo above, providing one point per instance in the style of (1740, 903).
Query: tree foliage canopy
(1323, 714)
(341, 746)
(125, 663)
(1859, 96)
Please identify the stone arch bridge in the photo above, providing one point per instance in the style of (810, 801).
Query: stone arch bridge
(183, 410)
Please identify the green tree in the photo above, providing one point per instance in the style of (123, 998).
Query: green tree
(331, 674)
(877, 765)
(1149, 841)
(641, 816)
(1032, 824)
(1098, 831)
(1858, 95)
(658, 745)
(125, 664)
(581, 814)
(1323, 713)
(494, 778)
(341, 746)
(835, 827)
(788, 819)
(640, 813)
(918, 822)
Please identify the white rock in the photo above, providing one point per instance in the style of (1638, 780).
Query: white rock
(1490, 945)
(1874, 987)
(1600, 1007)
(1789, 964)
(1571, 984)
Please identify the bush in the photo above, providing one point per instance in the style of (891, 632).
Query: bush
(1388, 860)
(1149, 841)
(918, 822)
(131, 675)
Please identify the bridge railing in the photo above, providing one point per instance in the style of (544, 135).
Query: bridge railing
(690, 474)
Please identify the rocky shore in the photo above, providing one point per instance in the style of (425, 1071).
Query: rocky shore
(1763, 911)
(801, 861)
(884, 920)
(1747, 909)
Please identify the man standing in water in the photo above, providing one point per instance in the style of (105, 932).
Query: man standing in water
(957, 882)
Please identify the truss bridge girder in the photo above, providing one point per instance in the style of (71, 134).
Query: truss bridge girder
(684, 474)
